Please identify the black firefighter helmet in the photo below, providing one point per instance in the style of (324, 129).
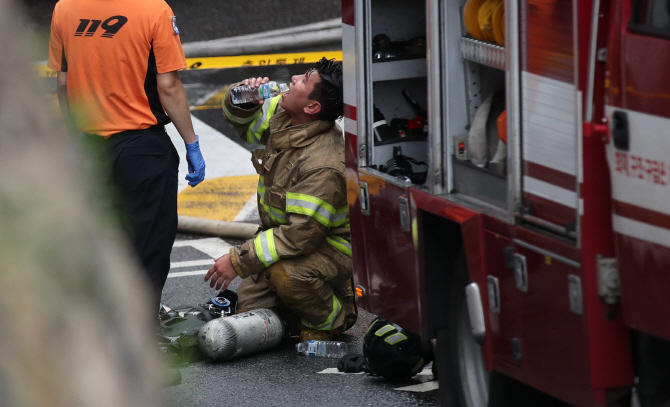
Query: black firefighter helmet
(393, 352)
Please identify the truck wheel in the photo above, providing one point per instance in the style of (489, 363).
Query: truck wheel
(471, 379)
(652, 366)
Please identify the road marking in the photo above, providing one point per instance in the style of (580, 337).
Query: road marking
(333, 370)
(427, 371)
(249, 210)
(191, 263)
(421, 387)
(188, 273)
(219, 198)
(214, 101)
(234, 61)
(212, 246)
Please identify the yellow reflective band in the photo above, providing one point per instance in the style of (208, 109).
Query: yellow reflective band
(340, 244)
(259, 250)
(266, 251)
(341, 217)
(239, 120)
(261, 187)
(395, 338)
(385, 329)
(262, 122)
(415, 233)
(316, 208)
(331, 318)
(274, 213)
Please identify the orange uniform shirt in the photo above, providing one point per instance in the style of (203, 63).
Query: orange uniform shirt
(111, 51)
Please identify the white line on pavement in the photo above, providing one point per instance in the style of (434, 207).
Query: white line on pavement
(188, 273)
(421, 387)
(248, 210)
(427, 371)
(333, 370)
(191, 263)
(212, 246)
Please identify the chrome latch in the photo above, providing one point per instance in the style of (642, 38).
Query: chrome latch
(364, 197)
(403, 203)
(521, 272)
(608, 279)
(575, 294)
(601, 55)
(494, 294)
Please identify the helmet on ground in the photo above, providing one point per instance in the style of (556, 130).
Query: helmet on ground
(393, 352)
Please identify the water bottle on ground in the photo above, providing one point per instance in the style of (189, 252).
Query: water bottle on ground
(245, 93)
(326, 349)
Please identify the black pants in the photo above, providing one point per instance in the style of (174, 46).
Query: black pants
(142, 166)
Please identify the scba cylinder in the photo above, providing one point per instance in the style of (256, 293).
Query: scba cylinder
(241, 334)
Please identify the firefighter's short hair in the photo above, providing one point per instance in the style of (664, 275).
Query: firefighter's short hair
(328, 91)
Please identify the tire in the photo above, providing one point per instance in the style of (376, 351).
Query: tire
(470, 387)
(652, 367)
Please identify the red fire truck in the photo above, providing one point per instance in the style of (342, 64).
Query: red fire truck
(509, 194)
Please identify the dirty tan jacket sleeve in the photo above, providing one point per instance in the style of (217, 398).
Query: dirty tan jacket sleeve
(251, 121)
(323, 191)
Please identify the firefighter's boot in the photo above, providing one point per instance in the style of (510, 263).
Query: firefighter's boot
(308, 334)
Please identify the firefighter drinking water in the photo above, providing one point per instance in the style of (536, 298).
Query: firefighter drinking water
(299, 264)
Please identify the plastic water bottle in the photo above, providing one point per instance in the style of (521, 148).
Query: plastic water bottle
(240, 334)
(245, 93)
(326, 349)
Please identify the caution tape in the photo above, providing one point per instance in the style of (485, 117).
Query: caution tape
(260, 60)
(238, 61)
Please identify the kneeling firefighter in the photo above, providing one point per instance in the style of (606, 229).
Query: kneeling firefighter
(299, 264)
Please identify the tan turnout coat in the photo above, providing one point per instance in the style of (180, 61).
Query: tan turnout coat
(302, 195)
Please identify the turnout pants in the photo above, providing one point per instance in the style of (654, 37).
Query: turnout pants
(312, 291)
(142, 166)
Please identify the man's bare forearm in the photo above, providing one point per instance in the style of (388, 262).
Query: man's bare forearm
(173, 98)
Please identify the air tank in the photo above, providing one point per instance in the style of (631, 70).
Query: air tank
(241, 334)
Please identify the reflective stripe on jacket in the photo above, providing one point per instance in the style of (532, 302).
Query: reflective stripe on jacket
(302, 196)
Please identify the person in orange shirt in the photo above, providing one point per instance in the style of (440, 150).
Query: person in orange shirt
(118, 85)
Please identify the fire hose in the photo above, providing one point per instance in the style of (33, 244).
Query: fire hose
(219, 228)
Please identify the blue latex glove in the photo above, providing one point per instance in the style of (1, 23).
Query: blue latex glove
(196, 164)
